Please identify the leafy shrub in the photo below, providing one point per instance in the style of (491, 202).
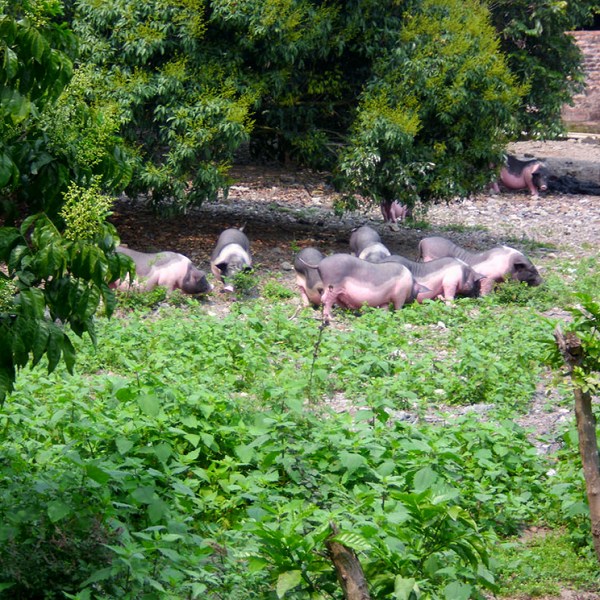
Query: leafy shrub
(197, 444)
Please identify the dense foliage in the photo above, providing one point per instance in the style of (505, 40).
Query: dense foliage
(540, 52)
(184, 459)
(400, 99)
(51, 135)
(57, 149)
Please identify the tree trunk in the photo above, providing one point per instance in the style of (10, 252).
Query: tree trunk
(348, 569)
(572, 352)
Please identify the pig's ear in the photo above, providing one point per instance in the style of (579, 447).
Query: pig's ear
(222, 267)
(519, 265)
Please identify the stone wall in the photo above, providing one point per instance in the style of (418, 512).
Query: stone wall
(586, 108)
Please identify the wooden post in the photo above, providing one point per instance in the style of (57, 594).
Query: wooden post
(572, 351)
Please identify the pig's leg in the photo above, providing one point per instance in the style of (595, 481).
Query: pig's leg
(449, 290)
(486, 285)
(329, 297)
(528, 177)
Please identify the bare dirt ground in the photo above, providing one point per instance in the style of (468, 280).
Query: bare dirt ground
(284, 210)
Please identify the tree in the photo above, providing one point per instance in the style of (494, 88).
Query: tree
(302, 80)
(57, 155)
(579, 347)
(437, 110)
(543, 56)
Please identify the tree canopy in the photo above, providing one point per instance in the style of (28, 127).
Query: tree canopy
(303, 80)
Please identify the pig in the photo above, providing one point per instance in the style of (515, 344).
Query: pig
(495, 264)
(168, 269)
(365, 243)
(442, 278)
(517, 174)
(230, 256)
(308, 278)
(394, 211)
(351, 282)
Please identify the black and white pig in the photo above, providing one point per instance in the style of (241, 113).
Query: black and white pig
(230, 256)
(365, 243)
(168, 269)
(307, 277)
(517, 174)
(495, 264)
(351, 282)
(441, 278)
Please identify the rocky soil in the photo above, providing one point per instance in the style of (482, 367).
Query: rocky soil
(286, 209)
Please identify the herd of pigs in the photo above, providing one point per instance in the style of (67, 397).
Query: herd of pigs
(369, 274)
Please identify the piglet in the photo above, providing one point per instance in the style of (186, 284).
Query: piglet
(394, 211)
(365, 243)
(441, 278)
(351, 282)
(495, 264)
(230, 256)
(168, 269)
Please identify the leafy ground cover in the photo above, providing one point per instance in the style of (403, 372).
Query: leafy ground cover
(199, 454)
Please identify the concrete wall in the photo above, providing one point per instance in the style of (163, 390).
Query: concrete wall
(586, 108)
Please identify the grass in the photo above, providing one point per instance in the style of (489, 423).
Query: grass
(545, 564)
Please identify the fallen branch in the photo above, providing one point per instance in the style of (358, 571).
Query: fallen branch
(348, 569)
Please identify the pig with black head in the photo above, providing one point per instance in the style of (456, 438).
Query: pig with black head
(494, 265)
(517, 174)
(168, 269)
(230, 256)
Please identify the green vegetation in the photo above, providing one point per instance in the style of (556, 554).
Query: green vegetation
(193, 455)
(410, 99)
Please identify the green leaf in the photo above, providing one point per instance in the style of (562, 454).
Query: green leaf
(245, 453)
(157, 509)
(352, 461)
(424, 479)
(7, 169)
(144, 494)
(58, 510)
(123, 444)
(403, 588)
(457, 591)
(100, 575)
(288, 581)
(149, 405)
(97, 474)
(162, 451)
(352, 540)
